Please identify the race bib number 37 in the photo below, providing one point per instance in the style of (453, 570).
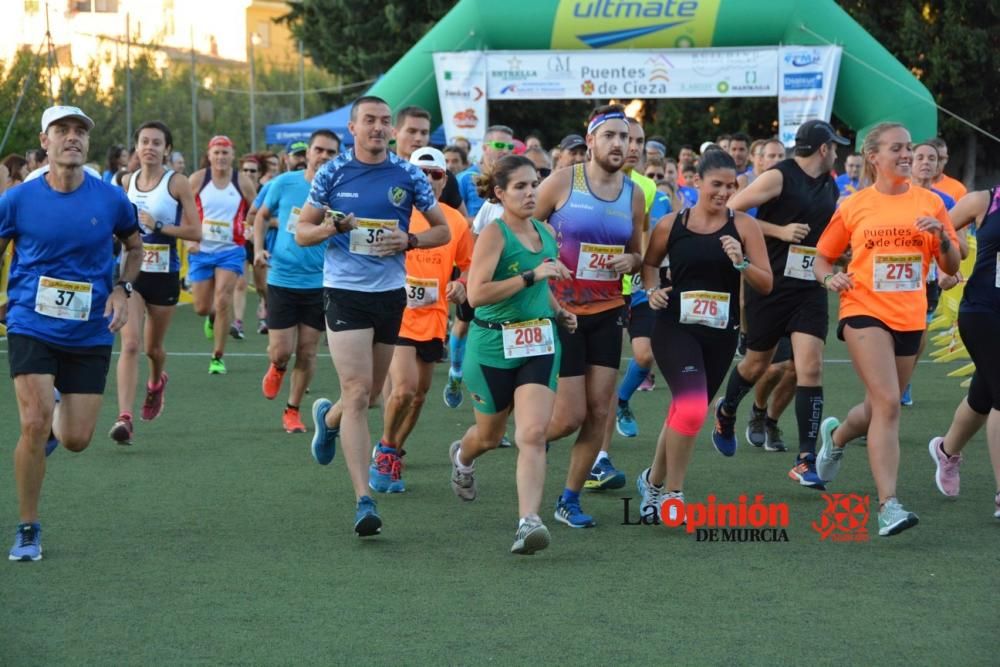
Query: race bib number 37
(368, 232)
(528, 339)
(800, 262)
(710, 309)
(65, 299)
(594, 259)
(897, 273)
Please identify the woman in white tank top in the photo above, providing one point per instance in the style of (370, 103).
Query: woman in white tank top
(167, 213)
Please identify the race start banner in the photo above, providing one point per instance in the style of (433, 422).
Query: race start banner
(461, 84)
(807, 79)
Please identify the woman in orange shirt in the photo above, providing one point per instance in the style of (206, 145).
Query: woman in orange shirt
(894, 231)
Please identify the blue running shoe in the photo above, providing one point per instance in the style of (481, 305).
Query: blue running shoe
(385, 474)
(906, 400)
(453, 391)
(604, 476)
(625, 422)
(27, 543)
(724, 434)
(569, 513)
(367, 522)
(804, 472)
(51, 445)
(324, 442)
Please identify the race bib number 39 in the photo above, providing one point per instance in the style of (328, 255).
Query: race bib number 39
(65, 299)
(155, 258)
(421, 292)
(800, 262)
(528, 339)
(594, 259)
(368, 232)
(220, 231)
(710, 309)
(897, 273)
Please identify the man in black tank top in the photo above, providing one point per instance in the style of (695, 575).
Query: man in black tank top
(795, 201)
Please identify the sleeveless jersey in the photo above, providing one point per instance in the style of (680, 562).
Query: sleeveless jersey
(699, 264)
(982, 289)
(222, 213)
(163, 208)
(589, 230)
(805, 200)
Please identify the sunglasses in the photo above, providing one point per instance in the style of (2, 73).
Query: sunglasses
(500, 145)
(544, 172)
(656, 176)
(434, 174)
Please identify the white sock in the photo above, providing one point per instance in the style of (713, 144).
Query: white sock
(601, 457)
(461, 466)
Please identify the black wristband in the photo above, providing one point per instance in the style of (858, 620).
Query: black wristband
(411, 241)
(528, 277)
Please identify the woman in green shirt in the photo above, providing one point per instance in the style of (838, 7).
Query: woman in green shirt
(512, 355)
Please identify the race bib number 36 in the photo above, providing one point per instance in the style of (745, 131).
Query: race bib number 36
(220, 231)
(710, 309)
(800, 262)
(527, 339)
(368, 232)
(421, 292)
(594, 259)
(65, 299)
(155, 258)
(897, 273)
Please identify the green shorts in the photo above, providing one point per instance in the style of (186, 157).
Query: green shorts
(492, 387)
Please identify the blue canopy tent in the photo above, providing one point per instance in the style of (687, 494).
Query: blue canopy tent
(336, 120)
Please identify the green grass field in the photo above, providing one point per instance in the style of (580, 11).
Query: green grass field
(216, 539)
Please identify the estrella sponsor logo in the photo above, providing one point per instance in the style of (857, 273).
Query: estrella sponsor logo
(803, 58)
(803, 81)
(599, 24)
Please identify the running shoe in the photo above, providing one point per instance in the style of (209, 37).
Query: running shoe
(531, 536)
(652, 500)
(996, 506)
(505, 442)
(27, 543)
(236, 330)
(216, 366)
(385, 474)
(569, 513)
(291, 419)
(804, 472)
(209, 328)
(152, 407)
(121, 432)
(830, 456)
(51, 444)
(625, 421)
(271, 384)
(462, 483)
(367, 522)
(756, 433)
(893, 518)
(906, 400)
(724, 435)
(946, 475)
(604, 475)
(324, 442)
(453, 391)
(641, 482)
(262, 327)
(774, 440)
(649, 384)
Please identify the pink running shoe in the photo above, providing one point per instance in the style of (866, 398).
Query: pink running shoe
(946, 476)
(648, 384)
(153, 405)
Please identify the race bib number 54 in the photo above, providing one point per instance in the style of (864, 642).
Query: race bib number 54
(594, 259)
(800, 262)
(527, 339)
(897, 273)
(65, 299)
(368, 232)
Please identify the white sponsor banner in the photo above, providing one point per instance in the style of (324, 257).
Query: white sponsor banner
(720, 72)
(807, 79)
(461, 84)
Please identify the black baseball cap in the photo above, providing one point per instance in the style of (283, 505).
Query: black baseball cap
(571, 142)
(814, 133)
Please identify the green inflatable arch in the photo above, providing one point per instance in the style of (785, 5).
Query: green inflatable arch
(876, 89)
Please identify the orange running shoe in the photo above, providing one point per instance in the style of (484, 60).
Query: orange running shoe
(292, 421)
(271, 384)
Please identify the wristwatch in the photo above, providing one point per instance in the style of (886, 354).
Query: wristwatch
(126, 287)
(742, 266)
(528, 277)
(412, 241)
(158, 226)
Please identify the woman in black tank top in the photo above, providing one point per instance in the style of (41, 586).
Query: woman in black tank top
(711, 249)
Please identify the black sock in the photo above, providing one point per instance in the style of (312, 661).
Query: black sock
(757, 412)
(808, 414)
(622, 404)
(736, 389)
(773, 423)
(289, 406)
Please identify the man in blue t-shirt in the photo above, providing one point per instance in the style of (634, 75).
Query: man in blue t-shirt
(850, 181)
(63, 309)
(498, 142)
(370, 194)
(294, 281)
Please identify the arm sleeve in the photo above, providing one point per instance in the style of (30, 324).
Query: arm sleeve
(835, 238)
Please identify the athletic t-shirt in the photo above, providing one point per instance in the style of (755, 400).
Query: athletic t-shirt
(428, 272)
(381, 196)
(467, 188)
(951, 186)
(688, 194)
(889, 257)
(159, 251)
(982, 288)
(489, 212)
(223, 214)
(847, 185)
(292, 266)
(67, 239)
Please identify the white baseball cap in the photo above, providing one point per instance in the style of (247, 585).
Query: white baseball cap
(52, 114)
(429, 157)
